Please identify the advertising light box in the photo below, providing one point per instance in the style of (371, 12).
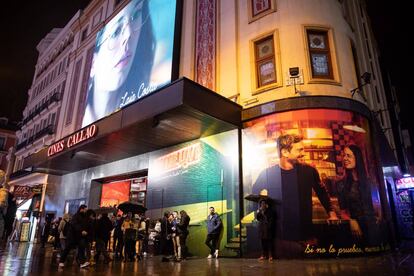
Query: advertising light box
(133, 57)
(405, 183)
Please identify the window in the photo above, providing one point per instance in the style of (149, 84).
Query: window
(319, 54)
(377, 94)
(53, 118)
(264, 51)
(2, 143)
(97, 18)
(356, 64)
(260, 8)
(73, 91)
(84, 34)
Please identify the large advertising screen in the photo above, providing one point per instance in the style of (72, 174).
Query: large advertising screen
(312, 185)
(133, 57)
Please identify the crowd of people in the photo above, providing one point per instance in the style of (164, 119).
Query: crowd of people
(130, 237)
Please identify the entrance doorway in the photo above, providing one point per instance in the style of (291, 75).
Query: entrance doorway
(112, 191)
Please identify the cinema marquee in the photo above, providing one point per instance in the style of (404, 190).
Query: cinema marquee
(72, 140)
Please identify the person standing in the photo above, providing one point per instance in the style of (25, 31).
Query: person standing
(103, 228)
(46, 231)
(130, 234)
(183, 232)
(118, 237)
(4, 194)
(214, 226)
(63, 230)
(56, 234)
(10, 216)
(267, 230)
(78, 236)
(165, 237)
(355, 198)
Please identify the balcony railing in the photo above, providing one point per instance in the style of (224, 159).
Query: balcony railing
(48, 130)
(56, 97)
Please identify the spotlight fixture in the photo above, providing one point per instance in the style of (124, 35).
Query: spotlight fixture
(294, 74)
(366, 77)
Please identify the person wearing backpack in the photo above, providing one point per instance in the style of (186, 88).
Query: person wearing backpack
(63, 229)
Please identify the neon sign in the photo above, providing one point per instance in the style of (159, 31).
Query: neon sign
(72, 140)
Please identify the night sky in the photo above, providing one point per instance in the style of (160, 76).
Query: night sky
(24, 24)
(391, 29)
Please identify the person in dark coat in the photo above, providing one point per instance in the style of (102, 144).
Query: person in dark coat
(214, 226)
(46, 231)
(355, 198)
(267, 230)
(80, 228)
(118, 237)
(10, 215)
(182, 231)
(91, 233)
(103, 228)
(165, 237)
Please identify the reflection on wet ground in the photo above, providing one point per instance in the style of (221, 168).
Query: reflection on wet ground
(30, 259)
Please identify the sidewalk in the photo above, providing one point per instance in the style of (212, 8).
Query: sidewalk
(30, 259)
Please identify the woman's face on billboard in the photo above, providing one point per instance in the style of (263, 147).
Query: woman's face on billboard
(115, 56)
(349, 159)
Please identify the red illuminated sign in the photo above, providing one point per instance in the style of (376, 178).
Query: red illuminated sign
(405, 183)
(73, 140)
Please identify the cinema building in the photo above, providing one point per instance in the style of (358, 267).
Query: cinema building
(191, 114)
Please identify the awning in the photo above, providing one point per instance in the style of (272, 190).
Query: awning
(180, 112)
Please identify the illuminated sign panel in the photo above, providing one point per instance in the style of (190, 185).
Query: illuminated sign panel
(405, 183)
(179, 159)
(133, 57)
(322, 175)
(74, 139)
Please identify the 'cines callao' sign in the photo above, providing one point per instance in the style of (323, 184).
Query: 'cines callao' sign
(72, 140)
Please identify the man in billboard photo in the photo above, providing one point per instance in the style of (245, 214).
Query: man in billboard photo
(354, 196)
(291, 183)
(122, 61)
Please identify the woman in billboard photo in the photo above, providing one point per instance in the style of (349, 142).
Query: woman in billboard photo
(354, 196)
(122, 61)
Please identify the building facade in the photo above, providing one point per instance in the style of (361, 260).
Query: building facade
(7, 145)
(278, 68)
(41, 115)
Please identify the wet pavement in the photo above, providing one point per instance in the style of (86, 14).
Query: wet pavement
(30, 259)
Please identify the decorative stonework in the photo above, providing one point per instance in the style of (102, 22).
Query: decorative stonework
(205, 46)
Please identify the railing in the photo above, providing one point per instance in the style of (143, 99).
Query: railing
(56, 97)
(48, 130)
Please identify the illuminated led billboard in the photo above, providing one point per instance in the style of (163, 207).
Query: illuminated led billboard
(133, 57)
